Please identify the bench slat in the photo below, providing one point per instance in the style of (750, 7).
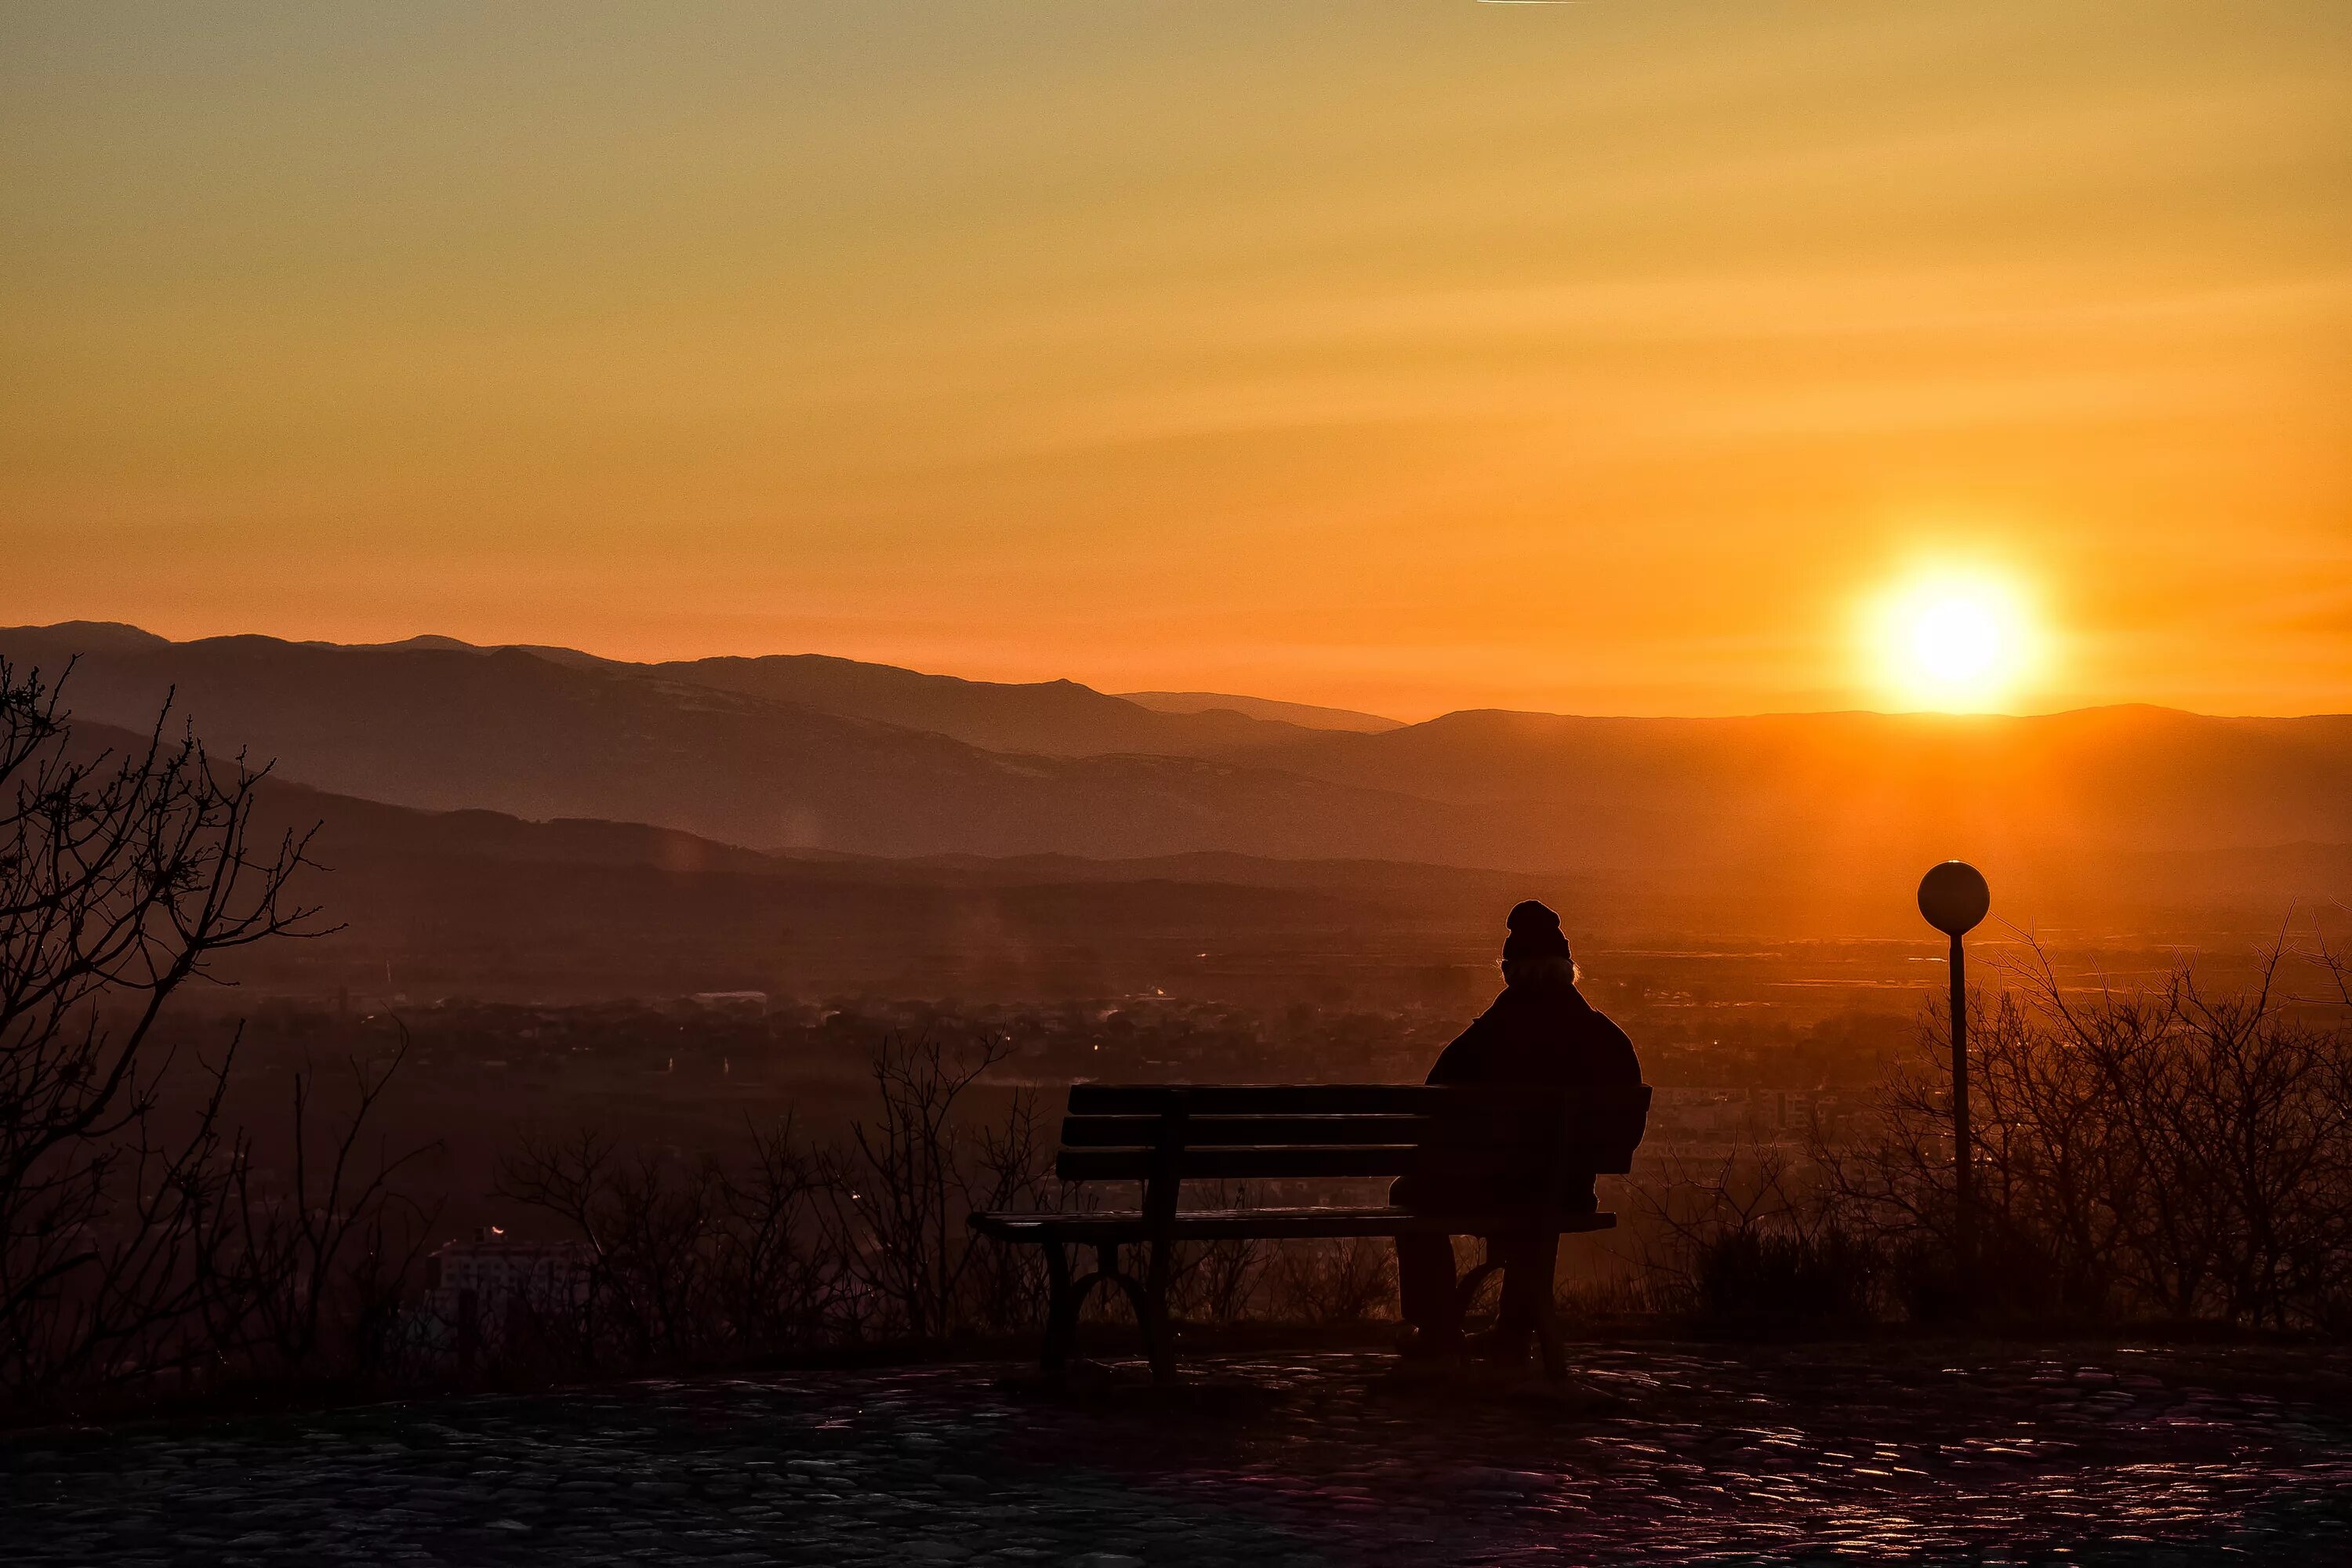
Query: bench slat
(1602, 1125)
(1250, 1164)
(1142, 1131)
(1291, 1099)
(1211, 1224)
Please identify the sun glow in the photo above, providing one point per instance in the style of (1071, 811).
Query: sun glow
(1961, 641)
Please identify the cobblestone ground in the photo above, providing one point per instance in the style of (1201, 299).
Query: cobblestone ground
(1659, 1453)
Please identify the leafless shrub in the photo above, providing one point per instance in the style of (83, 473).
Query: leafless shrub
(791, 1248)
(1752, 1237)
(1347, 1280)
(780, 1284)
(1218, 1281)
(315, 1269)
(649, 1219)
(122, 877)
(1587, 1303)
(2169, 1154)
(902, 1190)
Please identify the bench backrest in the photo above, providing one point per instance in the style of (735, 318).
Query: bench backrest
(1151, 1132)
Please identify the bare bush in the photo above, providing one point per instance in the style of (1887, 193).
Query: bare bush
(2169, 1154)
(780, 1284)
(1755, 1237)
(1351, 1279)
(790, 1248)
(903, 1188)
(122, 877)
(316, 1265)
(650, 1222)
(1219, 1281)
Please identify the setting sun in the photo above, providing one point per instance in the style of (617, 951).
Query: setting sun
(1959, 641)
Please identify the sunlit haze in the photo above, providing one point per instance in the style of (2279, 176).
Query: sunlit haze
(1404, 356)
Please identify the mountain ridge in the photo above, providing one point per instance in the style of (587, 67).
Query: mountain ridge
(1307, 715)
(479, 903)
(1777, 802)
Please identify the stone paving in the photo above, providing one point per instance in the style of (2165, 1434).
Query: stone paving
(1658, 1453)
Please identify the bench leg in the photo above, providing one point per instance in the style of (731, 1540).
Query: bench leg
(1150, 1308)
(1149, 1314)
(1061, 1312)
(1153, 1308)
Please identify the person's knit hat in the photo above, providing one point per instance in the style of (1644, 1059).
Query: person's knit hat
(1535, 933)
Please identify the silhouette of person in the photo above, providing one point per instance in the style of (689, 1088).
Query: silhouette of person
(1539, 1031)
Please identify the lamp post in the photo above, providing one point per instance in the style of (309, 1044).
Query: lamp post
(1954, 898)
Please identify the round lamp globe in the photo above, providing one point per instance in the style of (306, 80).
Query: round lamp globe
(1954, 897)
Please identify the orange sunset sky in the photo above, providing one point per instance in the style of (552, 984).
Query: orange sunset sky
(1614, 357)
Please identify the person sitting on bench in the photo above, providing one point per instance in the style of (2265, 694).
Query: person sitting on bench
(1539, 1031)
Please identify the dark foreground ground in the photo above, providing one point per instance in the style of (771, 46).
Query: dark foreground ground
(1662, 1453)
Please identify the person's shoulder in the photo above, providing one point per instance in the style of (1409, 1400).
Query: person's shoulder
(1466, 1059)
(1598, 1016)
(1603, 1021)
(1613, 1047)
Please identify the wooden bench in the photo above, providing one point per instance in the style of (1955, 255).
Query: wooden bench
(1542, 1142)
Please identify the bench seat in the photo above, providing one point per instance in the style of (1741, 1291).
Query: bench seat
(1515, 1139)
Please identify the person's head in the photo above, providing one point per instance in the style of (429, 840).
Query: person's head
(1536, 953)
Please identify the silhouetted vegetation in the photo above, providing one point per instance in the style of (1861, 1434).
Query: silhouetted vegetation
(2172, 1155)
(681, 1259)
(2167, 1157)
(140, 1244)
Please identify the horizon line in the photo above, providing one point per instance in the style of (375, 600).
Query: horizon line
(443, 640)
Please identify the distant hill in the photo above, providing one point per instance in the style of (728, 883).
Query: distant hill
(485, 904)
(81, 637)
(1049, 718)
(476, 903)
(1804, 791)
(1052, 719)
(1304, 714)
(1801, 821)
(517, 731)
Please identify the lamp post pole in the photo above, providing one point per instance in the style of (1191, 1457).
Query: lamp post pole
(1964, 1194)
(1954, 898)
